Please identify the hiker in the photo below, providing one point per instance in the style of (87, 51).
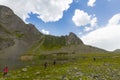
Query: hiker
(94, 59)
(45, 65)
(5, 70)
(54, 62)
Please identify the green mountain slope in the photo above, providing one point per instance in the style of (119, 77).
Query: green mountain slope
(55, 42)
(62, 48)
(23, 41)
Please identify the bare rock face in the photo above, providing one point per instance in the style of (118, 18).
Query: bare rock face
(73, 39)
(9, 20)
(5, 12)
(13, 26)
(15, 36)
(6, 42)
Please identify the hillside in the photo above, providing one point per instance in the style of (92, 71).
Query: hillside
(23, 41)
(15, 36)
(60, 48)
(117, 51)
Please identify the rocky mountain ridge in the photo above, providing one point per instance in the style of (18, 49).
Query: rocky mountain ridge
(17, 38)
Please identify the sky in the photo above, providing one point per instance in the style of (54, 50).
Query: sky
(95, 22)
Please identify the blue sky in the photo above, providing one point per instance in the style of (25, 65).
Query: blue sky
(103, 10)
(96, 22)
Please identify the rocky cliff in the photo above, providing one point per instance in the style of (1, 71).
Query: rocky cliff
(15, 36)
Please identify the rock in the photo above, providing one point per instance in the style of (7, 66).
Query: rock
(37, 73)
(106, 64)
(24, 69)
(47, 76)
(78, 74)
(64, 77)
(75, 68)
(80, 79)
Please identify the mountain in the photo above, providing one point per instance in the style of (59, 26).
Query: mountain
(18, 39)
(60, 48)
(51, 42)
(15, 36)
(117, 51)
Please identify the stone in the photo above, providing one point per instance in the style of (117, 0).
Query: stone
(24, 69)
(37, 73)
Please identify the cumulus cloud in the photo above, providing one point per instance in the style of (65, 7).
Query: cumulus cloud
(93, 25)
(91, 3)
(86, 29)
(45, 32)
(48, 10)
(115, 20)
(82, 18)
(107, 37)
(93, 22)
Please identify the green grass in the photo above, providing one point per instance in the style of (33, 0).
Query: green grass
(105, 67)
(19, 34)
(51, 42)
(47, 43)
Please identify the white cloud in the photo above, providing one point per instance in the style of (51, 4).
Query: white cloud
(82, 18)
(93, 22)
(48, 10)
(45, 32)
(91, 3)
(115, 20)
(107, 37)
(88, 29)
(93, 25)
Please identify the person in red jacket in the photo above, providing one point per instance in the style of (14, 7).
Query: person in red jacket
(5, 71)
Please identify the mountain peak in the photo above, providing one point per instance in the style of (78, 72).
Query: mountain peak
(71, 34)
(73, 39)
(5, 11)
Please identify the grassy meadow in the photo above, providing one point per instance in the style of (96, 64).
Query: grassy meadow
(77, 67)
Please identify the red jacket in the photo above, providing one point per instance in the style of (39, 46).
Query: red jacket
(6, 69)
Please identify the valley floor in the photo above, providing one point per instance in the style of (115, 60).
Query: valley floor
(87, 67)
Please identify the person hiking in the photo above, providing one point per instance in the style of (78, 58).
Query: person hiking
(45, 65)
(94, 59)
(5, 70)
(54, 62)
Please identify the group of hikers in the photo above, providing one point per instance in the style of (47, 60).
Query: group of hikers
(45, 64)
(5, 70)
